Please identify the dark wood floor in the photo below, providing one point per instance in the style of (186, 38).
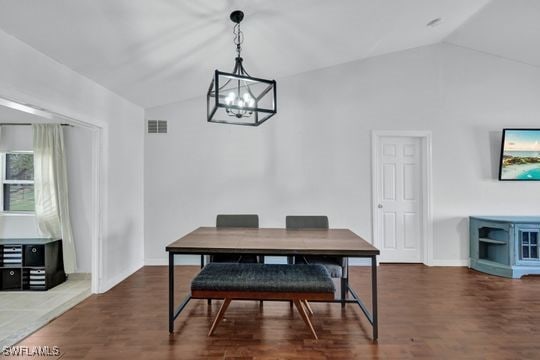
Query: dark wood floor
(432, 313)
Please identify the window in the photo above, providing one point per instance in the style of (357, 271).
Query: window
(17, 181)
(529, 244)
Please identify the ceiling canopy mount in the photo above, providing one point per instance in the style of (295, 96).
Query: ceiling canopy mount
(237, 16)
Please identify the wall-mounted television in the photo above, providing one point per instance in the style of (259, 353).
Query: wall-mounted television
(520, 155)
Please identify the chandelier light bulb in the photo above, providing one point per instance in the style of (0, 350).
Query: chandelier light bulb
(230, 98)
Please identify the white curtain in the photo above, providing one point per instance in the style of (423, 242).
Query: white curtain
(51, 189)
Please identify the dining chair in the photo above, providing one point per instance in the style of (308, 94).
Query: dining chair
(236, 221)
(337, 266)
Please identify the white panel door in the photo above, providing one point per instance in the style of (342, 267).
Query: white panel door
(400, 199)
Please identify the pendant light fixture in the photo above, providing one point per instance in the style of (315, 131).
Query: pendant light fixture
(237, 97)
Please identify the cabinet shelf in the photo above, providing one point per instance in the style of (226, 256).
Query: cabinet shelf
(492, 241)
(11, 266)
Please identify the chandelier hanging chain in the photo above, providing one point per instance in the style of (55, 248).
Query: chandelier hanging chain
(238, 39)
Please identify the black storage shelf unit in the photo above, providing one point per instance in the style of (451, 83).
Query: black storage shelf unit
(31, 264)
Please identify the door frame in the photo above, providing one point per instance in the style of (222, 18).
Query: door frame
(426, 186)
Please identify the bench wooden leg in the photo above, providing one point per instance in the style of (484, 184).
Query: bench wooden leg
(302, 312)
(219, 315)
(308, 308)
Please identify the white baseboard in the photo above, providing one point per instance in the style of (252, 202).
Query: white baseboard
(359, 262)
(275, 259)
(436, 262)
(178, 260)
(156, 262)
(80, 276)
(195, 260)
(110, 283)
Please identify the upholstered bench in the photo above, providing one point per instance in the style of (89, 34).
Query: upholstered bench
(296, 283)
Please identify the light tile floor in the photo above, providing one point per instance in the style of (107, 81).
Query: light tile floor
(23, 312)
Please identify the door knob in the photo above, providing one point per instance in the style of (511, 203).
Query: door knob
(379, 206)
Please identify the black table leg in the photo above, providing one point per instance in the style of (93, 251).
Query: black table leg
(171, 292)
(374, 297)
(344, 290)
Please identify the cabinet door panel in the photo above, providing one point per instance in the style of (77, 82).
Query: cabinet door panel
(34, 255)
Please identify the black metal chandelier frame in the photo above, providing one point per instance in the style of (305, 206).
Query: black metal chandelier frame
(236, 108)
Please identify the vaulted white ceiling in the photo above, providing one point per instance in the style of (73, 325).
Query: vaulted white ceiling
(162, 51)
(510, 29)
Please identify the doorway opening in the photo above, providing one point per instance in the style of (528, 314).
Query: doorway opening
(91, 136)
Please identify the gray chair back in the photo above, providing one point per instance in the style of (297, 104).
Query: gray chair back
(244, 221)
(306, 222)
(317, 222)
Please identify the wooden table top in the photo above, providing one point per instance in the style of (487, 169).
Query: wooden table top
(265, 241)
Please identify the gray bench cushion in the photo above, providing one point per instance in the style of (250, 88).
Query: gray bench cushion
(263, 277)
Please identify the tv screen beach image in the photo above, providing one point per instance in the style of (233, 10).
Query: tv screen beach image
(520, 155)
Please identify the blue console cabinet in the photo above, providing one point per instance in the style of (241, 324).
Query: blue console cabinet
(505, 245)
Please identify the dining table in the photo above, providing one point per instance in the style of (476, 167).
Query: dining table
(277, 242)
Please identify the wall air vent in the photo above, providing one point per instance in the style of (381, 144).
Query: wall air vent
(157, 126)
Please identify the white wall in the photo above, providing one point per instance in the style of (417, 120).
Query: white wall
(28, 76)
(78, 146)
(314, 156)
